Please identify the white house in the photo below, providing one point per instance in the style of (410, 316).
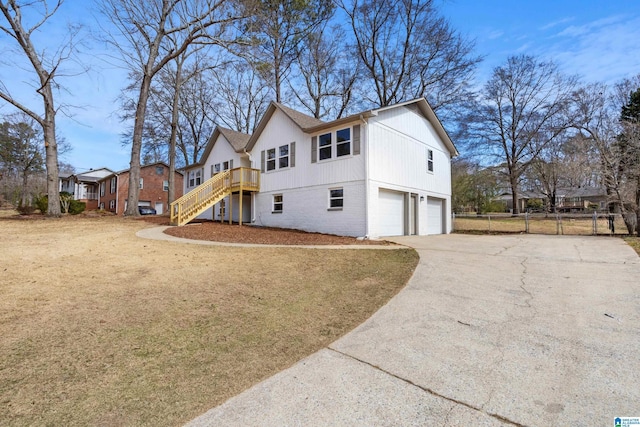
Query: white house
(382, 172)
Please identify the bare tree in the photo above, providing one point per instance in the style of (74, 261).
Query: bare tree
(598, 121)
(46, 68)
(523, 108)
(327, 74)
(242, 96)
(276, 29)
(144, 29)
(409, 51)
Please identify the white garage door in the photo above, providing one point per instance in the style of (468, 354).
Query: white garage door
(391, 213)
(434, 216)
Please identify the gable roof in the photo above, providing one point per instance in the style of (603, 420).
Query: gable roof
(237, 140)
(301, 120)
(310, 124)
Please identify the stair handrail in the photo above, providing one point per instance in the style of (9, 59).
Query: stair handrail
(183, 206)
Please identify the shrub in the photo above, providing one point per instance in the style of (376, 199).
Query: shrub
(76, 207)
(25, 209)
(41, 203)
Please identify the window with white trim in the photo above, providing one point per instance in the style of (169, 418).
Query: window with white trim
(112, 204)
(165, 185)
(333, 144)
(101, 207)
(215, 169)
(113, 184)
(324, 146)
(225, 166)
(283, 156)
(336, 198)
(429, 160)
(277, 203)
(198, 177)
(141, 183)
(343, 142)
(271, 159)
(192, 178)
(103, 185)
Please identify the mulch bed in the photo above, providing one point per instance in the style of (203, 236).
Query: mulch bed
(234, 233)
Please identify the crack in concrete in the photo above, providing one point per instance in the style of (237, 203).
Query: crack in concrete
(431, 391)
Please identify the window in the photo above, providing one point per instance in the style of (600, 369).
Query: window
(192, 178)
(113, 184)
(336, 198)
(430, 160)
(159, 170)
(277, 203)
(283, 159)
(198, 177)
(271, 159)
(343, 142)
(141, 183)
(101, 207)
(324, 146)
(225, 166)
(215, 169)
(112, 204)
(102, 188)
(165, 185)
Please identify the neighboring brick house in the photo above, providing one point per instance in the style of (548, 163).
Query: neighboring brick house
(154, 189)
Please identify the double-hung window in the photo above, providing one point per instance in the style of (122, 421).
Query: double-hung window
(113, 184)
(336, 198)
(324, 146)
(225, 166)
(112, 204)
(280, 157)
(102, 188)
(198, 177)
(271, 159)
(192, 178)
(277, 203)
(165, 185)
(283, 156)
(141, 183)
(343, 142)
(215, 169)
(430, 160)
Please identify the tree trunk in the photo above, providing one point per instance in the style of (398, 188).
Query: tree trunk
(136, 147)
(514, 193)
(23, 196)
(51, 151)
(174, 130)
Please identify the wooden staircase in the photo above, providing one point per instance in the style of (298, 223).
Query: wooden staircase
(213, 191)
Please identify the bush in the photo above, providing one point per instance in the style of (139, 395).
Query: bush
(76, 207)
(42, 202)
(26, 209)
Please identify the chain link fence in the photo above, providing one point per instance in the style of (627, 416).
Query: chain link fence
(562, 224)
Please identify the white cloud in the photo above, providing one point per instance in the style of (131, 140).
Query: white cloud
(556, 23)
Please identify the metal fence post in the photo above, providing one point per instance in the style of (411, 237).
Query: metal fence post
(526, 222)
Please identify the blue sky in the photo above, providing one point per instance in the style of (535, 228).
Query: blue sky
(597, 39)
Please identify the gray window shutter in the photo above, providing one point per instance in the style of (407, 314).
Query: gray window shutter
(292, 154)
(231, 164)
(356, 139)
(262, 161)
(314, 149)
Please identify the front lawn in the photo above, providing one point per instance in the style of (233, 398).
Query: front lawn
(99, 327)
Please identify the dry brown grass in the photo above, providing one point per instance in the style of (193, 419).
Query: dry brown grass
(537, 225)
(99, 327)
(634, 242)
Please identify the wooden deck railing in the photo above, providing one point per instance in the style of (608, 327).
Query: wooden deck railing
(212, 191)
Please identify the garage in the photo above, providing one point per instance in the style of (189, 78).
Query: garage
(434, 216)
(391, 213)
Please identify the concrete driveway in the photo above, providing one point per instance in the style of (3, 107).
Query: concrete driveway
(491, 330)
